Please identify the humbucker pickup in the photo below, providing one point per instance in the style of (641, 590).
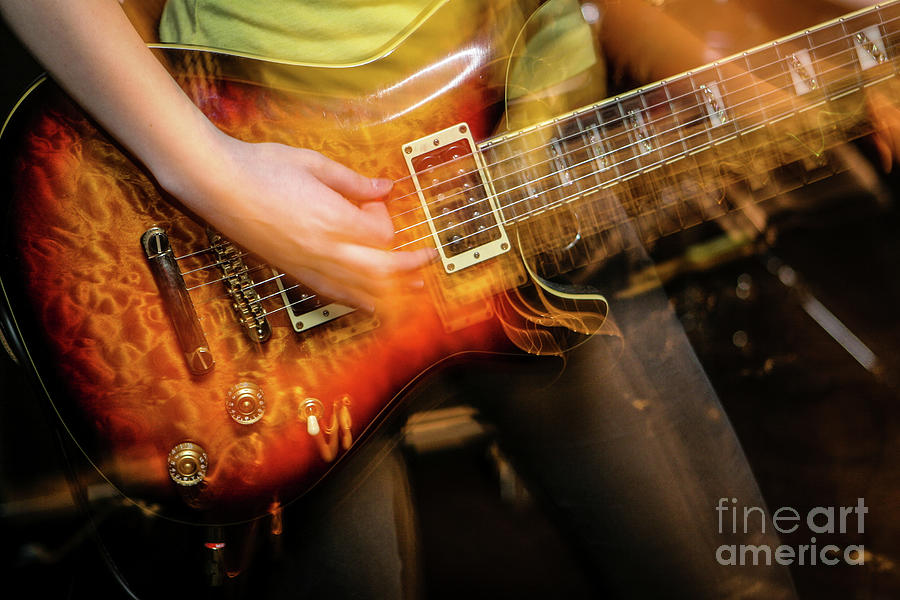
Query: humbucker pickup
(457, 196)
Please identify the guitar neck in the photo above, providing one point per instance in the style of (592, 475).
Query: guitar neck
(663, 156)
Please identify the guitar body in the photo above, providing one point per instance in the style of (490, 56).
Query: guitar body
(83, 310)
(122, 337)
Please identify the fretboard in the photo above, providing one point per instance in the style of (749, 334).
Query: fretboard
(663, 156)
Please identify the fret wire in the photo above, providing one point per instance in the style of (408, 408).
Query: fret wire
(528, 186)
(887, 34)
(705, 144)
(617, 164)
(812, 47)
(822, 55)
(879, 9)
(589, 147)
(724, 90)
(617, 120)
(680, 132)
(813, 60)
(772, 145)
(600, 157)
(565, 181)
(705, 110)
(606, 126)
(632, 132)
(620, 111)
(784, 73)
(674, 115)
(725, 80)
(647, 126)
(769, 141)
(655, 204)
(617, 180)
(560, 159)
(857, 72)
(633, 124)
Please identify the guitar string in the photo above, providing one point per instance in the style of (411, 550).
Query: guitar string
(744, 55)
(218, 263)
(201, 251)
(615, 165)
(638, 93)
(736, 132)
(622, 119)
(627, 134)
(601, 217)
(581, 192)
(601, 158)
(244, 271)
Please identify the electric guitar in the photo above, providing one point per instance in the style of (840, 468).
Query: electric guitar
(193, 375)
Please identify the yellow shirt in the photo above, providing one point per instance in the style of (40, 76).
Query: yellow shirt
(355, 31)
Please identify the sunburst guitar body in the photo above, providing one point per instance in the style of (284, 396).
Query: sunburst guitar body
(197, 378)
(191, 375)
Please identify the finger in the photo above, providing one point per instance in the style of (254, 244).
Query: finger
(378, 273)
(884, 152)
(383, 264)
(886, 119)
(348, 182)
(338, 291)
(369, 225)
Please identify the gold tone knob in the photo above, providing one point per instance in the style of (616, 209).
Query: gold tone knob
(245, 404)
(187, 464)
(200, 360)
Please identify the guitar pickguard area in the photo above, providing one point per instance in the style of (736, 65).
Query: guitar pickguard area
(304, 311)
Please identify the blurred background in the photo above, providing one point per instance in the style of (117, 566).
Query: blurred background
(816, 408)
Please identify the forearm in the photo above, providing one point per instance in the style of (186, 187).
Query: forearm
(92, 50)
(647, 43)
(318, 220)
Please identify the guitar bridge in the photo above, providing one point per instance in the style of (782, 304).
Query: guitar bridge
(457, 196)
(245, 300)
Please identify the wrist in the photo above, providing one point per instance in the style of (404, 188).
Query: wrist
(193, 168)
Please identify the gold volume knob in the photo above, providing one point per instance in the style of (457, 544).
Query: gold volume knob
(187, 464)
(245, 404)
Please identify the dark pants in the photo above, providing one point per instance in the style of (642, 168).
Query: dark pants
(630, 446)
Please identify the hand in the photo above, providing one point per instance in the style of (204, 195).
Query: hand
(885, 117)
(318, 220)
(315, 219)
